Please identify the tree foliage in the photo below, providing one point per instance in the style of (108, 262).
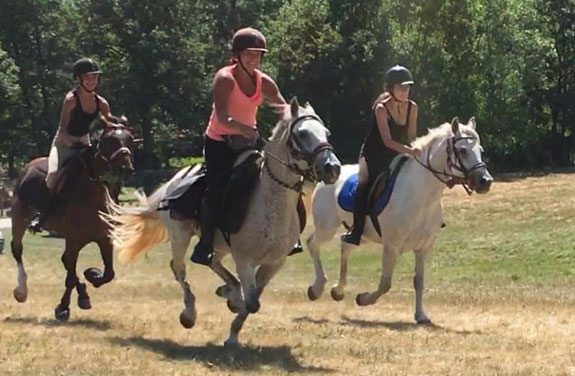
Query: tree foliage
(509, 63)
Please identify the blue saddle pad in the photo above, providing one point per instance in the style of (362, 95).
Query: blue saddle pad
(346, 196)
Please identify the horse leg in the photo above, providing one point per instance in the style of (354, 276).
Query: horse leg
(338, 291)
(69, 259)
(180, 240)
(420, 258)
(20, 218)
(18, 229)
(388, 260)
(314, 243)
(247, 274)
(95, 275)
(232, 289)
(263, 276)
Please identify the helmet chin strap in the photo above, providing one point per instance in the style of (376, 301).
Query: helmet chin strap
(251, 76)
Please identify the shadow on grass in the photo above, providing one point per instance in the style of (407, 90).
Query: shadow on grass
(400, 326)
(50, 323)
(240, 358)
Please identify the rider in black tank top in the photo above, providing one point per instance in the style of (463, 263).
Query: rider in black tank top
(387, 138)
(80, 121)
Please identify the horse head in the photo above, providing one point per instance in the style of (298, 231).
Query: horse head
(454, 156)
(309, 153)
(115, 147)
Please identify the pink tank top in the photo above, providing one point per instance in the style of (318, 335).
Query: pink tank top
(240, 107)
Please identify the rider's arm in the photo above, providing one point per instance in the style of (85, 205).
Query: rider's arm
(381, 117)
(67, 107)
(271, 91)
(223, 86)
(105, 112)
(412, 123)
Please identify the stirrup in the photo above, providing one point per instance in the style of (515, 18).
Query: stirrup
(298, 248)
(35, 226)
(351, 238)
(201, 255)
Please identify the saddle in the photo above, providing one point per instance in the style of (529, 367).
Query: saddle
(184, 196)
(379, 192)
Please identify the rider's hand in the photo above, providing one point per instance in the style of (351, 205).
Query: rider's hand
(249, 132)
(415, 151)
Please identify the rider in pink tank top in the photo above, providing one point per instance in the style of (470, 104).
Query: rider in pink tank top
(240, 107)
(238, 91)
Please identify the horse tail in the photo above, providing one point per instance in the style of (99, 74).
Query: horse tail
(136, 230)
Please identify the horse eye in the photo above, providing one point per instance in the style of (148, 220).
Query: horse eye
(463, 151)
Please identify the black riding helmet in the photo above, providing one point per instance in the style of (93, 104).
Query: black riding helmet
(398, 75)
(85, 65)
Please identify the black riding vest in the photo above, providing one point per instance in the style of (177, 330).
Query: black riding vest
(80, 121)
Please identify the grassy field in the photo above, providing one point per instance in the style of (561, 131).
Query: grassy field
(500, 290)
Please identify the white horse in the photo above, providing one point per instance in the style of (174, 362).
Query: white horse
(451, 154)
(298, 147)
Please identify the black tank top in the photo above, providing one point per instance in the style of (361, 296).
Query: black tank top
(374, 142)
(80, 121)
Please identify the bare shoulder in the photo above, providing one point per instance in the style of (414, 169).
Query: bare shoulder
(380, 107)
(267, 80)
(413, 104)
(224, 79)
(102, 100)
(69, 100)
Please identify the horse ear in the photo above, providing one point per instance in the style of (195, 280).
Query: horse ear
(455, 125)
(294, 107)
(471, 123)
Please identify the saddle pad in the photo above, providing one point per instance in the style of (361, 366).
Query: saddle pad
(346, 196)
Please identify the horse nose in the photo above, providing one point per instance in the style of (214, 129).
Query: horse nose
(333, 170)
(485, 183)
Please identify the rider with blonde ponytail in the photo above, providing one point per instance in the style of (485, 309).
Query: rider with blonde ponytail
(394, 127)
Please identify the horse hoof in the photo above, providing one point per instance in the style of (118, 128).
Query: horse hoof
(187, 322)
(94, 276)
(223, 291)
(62, 314)
(359, 300)
(253, 307)
(336, 295)
(231, 344)
(424, 321)
(84, 303)
(232, 308)
(20, 296)
(311, 295)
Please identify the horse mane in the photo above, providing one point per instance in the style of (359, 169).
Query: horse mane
(441, 132)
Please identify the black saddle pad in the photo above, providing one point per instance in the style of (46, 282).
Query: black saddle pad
(184, 196)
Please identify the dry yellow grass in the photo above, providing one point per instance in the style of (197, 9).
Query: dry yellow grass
(480, 328)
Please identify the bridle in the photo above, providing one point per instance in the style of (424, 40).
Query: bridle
(297, 153)
(108, 160)
(454, 162)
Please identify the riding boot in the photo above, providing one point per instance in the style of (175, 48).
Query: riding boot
(354, 235)
(204, 250)
(296, 249)
(37, 223)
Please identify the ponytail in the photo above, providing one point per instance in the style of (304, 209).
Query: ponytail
(383, 97)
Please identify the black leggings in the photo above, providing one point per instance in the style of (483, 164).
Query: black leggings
(219, 159)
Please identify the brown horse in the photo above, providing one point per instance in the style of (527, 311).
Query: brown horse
(79, 195)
